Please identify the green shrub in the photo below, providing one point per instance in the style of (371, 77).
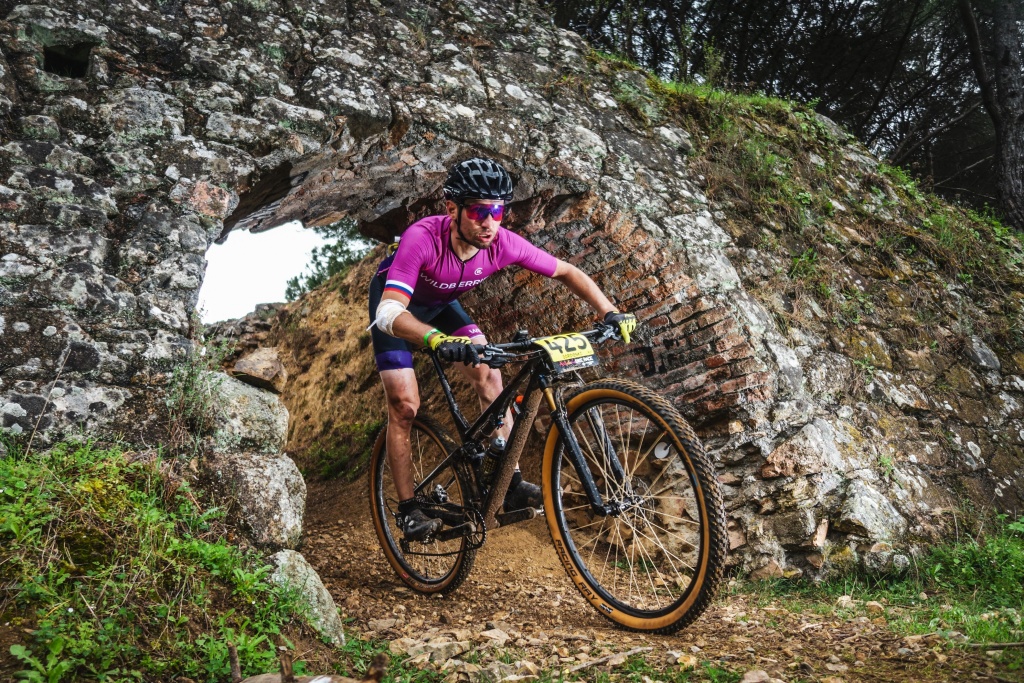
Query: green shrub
(190, 397)
(805, 266)
(118, 577)
(991, 567)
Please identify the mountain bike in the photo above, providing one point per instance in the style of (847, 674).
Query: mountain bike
(630, 497)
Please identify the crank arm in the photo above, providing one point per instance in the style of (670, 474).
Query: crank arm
(516, 516)
(459, 531)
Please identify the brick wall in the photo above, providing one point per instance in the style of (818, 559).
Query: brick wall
(689, 347)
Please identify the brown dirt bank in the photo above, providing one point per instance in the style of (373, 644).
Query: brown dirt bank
(519, 586)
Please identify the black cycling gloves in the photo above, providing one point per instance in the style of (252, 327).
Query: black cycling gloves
(626, 323)
(453, 349)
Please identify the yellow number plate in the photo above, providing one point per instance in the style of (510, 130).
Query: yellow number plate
(568, 351)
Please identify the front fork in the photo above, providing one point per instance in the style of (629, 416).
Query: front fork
(575, 453)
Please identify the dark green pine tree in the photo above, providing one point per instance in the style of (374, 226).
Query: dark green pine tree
(336, 257)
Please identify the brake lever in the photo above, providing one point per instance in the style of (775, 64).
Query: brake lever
(606, 332)
(492, 357)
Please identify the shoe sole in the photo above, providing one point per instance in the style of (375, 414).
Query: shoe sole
(421, 537)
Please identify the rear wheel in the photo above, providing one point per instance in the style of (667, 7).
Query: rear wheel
(433, 566)
(654, 561)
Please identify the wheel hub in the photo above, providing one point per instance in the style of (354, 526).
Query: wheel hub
(638, 502)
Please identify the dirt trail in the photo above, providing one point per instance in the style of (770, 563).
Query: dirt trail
(518, 585)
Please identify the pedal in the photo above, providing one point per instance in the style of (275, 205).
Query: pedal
(459, 531)
(516, 516)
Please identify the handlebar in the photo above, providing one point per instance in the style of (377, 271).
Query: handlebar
(497, 355)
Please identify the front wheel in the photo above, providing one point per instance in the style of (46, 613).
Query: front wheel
(654, 560)
(436, 565)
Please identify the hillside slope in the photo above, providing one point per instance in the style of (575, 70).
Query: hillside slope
(893, 320)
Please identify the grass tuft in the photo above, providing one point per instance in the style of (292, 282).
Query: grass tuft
(111, 574)
(190, 397)
(974, 587)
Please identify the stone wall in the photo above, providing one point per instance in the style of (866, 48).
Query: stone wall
(134, 135)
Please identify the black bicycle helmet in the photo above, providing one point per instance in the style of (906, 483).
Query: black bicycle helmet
(478, 179)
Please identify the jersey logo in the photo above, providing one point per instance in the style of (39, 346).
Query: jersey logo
(448, 285)
(478, 271)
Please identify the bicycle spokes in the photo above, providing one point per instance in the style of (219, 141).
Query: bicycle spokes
(645, 552)
(436, 561)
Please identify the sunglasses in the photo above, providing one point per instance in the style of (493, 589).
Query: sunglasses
(479, 212)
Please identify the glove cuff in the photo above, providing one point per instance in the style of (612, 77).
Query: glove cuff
(437, 339)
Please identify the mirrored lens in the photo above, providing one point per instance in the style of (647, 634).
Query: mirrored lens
(479, 212)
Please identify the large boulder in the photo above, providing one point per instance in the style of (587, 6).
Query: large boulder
(868, 513)
(248, 419)
(292, 570)
(268, 495)
(262, 369)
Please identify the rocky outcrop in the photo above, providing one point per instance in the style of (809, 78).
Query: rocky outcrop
(247, 418)
(293, 571)
(268, 495)
(169, 124)
(243, 462)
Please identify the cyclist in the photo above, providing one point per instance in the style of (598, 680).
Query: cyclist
(414, 302)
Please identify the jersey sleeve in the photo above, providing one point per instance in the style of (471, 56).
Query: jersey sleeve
(409, 259)
(520, 252)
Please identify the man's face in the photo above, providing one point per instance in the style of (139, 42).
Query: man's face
(479, 224)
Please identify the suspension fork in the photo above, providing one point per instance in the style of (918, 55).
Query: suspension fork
(579, 460)
(611, 458)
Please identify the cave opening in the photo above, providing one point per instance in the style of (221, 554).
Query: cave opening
(247, 268)
(70, 61)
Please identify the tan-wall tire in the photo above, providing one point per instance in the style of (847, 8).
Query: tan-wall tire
(713, 534)
(464, 560)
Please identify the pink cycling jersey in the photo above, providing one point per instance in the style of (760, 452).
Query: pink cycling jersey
(427, 270)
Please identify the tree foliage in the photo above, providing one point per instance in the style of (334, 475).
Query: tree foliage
(331, 259)
(901, 76)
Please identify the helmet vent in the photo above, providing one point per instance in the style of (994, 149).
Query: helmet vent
(478, 179)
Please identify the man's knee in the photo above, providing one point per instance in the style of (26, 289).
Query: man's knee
(402, 408)
(486, 380)
(402, 394)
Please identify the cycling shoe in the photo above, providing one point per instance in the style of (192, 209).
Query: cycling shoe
(523, 495)
(417, 526)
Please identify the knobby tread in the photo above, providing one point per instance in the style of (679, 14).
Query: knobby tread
(717, 541)
(377, 463)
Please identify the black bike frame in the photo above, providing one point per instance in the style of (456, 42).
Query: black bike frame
(493, 417)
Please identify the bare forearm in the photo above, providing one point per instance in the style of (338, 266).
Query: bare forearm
(580, 284)
(409, 328)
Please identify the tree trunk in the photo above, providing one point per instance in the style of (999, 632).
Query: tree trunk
(1010, 95)
(1004, 101)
